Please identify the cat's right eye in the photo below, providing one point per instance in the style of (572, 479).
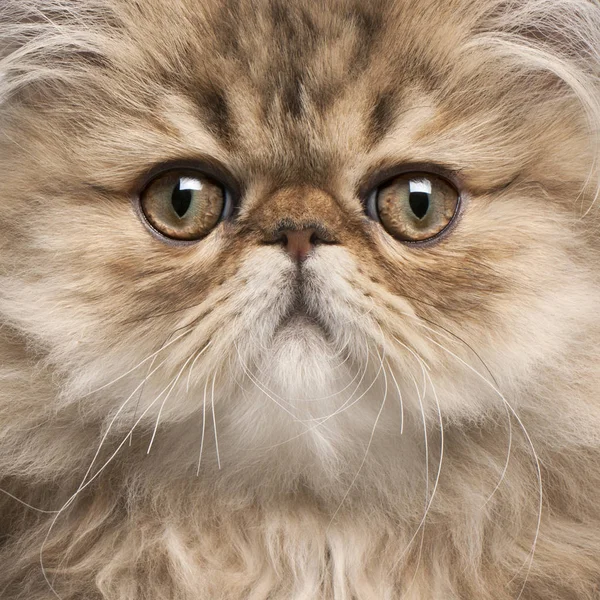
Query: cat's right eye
(184, 205)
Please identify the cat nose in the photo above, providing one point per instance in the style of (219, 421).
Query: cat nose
(297, 219)
(298, 243)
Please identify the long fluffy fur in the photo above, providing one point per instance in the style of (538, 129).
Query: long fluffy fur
(162, 437)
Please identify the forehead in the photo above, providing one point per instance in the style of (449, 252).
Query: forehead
(292, 91)
(276, 79)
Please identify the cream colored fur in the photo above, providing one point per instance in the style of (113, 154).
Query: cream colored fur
(432, 432)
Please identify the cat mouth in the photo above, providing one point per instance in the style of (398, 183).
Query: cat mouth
(299, 311)
(300, 315)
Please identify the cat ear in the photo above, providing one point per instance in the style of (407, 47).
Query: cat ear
(568, 29)
(553, 41)
(554, 45)
(44, 46)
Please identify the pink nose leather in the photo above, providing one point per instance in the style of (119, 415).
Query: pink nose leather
(298, 244)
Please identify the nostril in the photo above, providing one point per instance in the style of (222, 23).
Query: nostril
(299, 241)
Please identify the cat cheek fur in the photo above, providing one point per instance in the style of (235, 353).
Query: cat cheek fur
(387, 420)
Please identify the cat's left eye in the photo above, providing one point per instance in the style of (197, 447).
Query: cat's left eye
(184, 205)
(415, 207)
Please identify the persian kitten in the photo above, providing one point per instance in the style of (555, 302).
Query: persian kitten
(299, 300)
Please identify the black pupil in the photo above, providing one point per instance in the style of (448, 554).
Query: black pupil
(181, 200)
(419, 203)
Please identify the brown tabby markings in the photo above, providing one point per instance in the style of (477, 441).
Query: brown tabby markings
(481, 347)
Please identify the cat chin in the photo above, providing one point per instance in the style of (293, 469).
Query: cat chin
(301, 360)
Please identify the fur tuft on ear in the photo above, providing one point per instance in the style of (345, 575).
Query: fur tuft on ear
(554, 37)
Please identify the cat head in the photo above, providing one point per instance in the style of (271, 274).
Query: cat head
(307, 218)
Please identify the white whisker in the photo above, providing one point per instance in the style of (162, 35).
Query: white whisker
(535, 455)
(421, 526)
(203, 427)
(164, 402)
(322, 420)
(506, 463)
(257, 384)
(399, 396)
(137, 404)
(191, 369)
(295, 401)
(422, 364)
(84, 484)
(163, 347)
(448, 335)
(347, 405)
(115, 416)
(212, 397)
(454, 338)
(22, 502)
(364, 460)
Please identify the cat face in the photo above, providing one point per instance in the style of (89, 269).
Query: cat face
(312, 221)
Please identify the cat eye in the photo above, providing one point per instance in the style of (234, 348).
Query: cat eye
(415, 207)
(184, 205)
